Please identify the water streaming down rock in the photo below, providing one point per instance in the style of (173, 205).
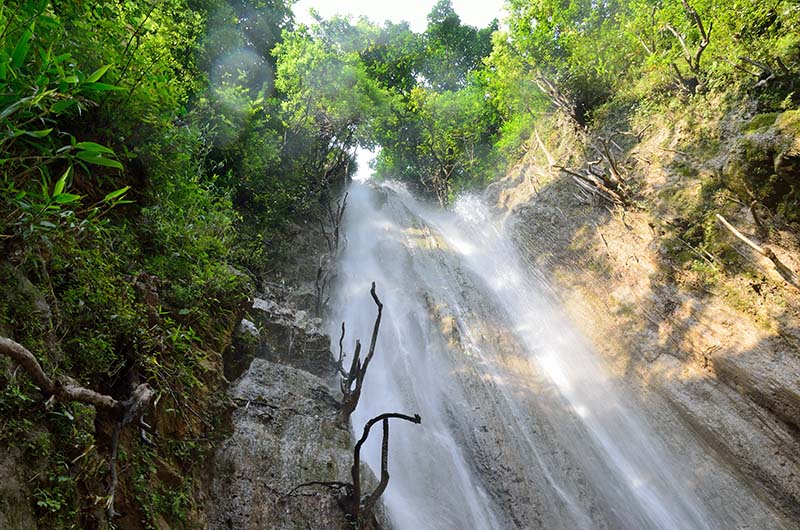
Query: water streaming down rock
(521, 426)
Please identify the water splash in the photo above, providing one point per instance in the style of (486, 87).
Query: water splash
(522, 427)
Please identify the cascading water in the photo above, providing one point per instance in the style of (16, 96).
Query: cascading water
(521, 426)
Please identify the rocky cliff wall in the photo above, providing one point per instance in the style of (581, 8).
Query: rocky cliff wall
(703, 327)
(287, 437)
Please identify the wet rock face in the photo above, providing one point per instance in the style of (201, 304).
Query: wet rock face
(285, 434)
(243, 349)
(722, 367)
(293, 337)
(283, 335)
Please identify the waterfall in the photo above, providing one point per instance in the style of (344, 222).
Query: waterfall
(521, 425)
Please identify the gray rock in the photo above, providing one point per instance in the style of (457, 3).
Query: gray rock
(247, 328)
(243, 349)
(15, 505)
(292, 337)
(285, 434)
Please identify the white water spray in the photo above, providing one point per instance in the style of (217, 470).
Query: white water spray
(522, 428)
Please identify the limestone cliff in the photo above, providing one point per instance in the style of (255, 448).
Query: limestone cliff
(704, 327)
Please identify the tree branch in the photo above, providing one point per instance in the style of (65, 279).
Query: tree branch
(594, 185)
(786, 273)
(355, 472)
(125, 412)
(358, 370)
(64, 393)
(373, 497)
(341, 354)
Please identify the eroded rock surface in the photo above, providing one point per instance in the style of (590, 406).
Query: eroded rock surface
(723, 357)
(15, 512)
(285, 434)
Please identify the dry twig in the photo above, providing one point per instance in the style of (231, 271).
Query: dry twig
(786, 273)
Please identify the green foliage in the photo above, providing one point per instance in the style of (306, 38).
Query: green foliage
(452, 50)
(41, 88)
(55, 442)
(116, 233)
(453, 137)
(392, 55)
(328, 92)
(575, 46)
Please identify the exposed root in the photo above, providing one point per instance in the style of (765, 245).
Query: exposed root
(125, 412)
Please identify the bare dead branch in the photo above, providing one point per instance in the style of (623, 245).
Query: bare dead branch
(786, 273)
(765, 69)
(610, 160)
(373, 497)
(375, 328)
(643, 130)
(593, 184)
(681, 80)
(692, 59)
(325, 233)
(125, 412)
(352, 382)
(705, 36)
(634, 134)
(340, 360)
(340, 208)
(321, 284)
(63, 393)
(368, 504)
(550, 161)
(561, 101)
(361, 510)
(740, 67)
(644, 44)
(133, 408)
(687, 56)
(112, 467)
(783, 67)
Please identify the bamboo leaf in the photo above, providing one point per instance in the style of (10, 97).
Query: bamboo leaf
(66, 198)
(61, 183)
(93, 158)
(101, 87)
(60, 106)
(38, 134)
(115, 194)
(98, 73)
(11, 109)
(21, 49)
(93, 147)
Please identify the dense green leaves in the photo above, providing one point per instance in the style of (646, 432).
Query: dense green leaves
(452, 50)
